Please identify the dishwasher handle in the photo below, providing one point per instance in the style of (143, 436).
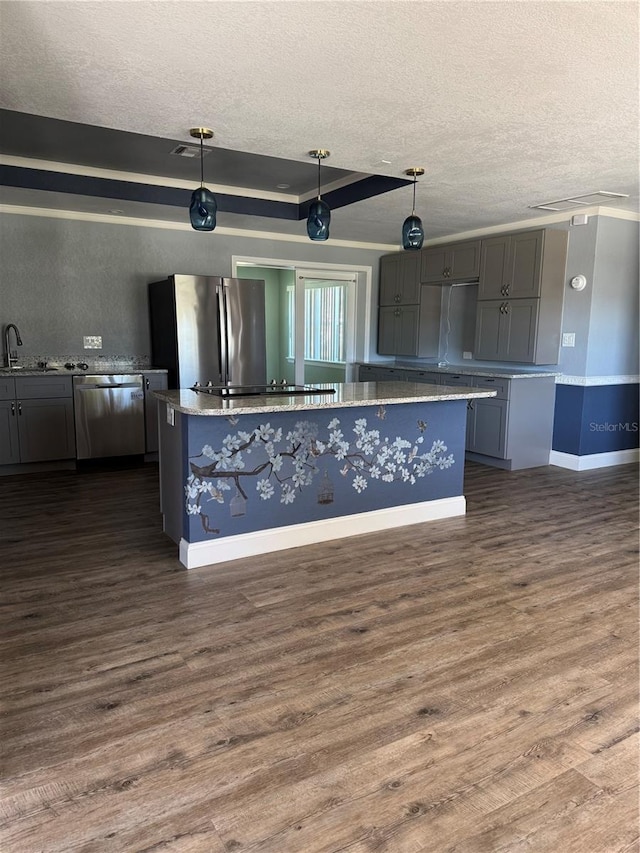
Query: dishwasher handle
(99, 386)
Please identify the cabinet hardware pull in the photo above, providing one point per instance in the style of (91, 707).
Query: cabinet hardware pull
(19, 408)
(13, 409)
(146, 383)
(506, 308)
(470, 404)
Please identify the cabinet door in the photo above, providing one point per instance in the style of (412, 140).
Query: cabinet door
(518, 342)
(410, 278)
(494, 259)
(9, 448)
(464, 261)
(487, 427)
(407, 326)
(387, 331)
(398, 330)
(390, 283)
(400, 279)
(489, 321)
(46, 430)
(525, 263)
(152, 382)
(433, 264)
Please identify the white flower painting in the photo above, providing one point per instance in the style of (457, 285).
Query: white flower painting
(283, 466)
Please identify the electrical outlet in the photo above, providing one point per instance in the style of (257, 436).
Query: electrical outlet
(568, 339)
(92, 341)
(467, 355)
(171, 415)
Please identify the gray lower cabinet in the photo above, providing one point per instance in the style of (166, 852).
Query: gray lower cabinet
(9, 447)
(372, 373)
(514, 429)
(37, 421)
(487, 427)
(46, 430)
(152, 382)
(398, 330)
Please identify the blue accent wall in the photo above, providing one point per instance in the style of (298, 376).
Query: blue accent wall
(596, 418)
(256, 472)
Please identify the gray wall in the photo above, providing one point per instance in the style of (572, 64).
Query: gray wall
(61, 279)
(613, 332)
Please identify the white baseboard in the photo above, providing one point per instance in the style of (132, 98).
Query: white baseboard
(196, 554)
(593, 460)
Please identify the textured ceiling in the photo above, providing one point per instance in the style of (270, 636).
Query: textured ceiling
(505, 104)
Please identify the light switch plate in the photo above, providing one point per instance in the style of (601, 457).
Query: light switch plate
(568, 339)
(92, 341)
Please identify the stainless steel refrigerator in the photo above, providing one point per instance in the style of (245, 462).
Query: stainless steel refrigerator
(209, 329)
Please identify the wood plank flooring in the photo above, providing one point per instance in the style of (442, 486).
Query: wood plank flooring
(462, 686)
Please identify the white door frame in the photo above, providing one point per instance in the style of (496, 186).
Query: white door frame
(364, 276)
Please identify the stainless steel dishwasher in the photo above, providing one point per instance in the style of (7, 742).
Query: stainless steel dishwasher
(109, 415)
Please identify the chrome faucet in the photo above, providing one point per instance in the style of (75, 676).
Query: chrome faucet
(12, 357)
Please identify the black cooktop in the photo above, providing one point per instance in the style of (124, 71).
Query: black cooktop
(282, 388)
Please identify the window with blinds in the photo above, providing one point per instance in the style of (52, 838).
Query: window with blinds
(324, 318)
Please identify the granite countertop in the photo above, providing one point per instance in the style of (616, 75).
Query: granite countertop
(347, 394)
(473, 370)
(90, 371)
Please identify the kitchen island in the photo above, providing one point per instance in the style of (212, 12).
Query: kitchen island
(246, 476)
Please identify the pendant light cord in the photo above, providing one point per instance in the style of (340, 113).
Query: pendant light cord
(319, 161)
(415, 179)
(201, 161)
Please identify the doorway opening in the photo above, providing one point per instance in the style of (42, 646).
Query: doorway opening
(317, 318)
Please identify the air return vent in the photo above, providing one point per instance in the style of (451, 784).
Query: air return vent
(191, 151)
(598, 197)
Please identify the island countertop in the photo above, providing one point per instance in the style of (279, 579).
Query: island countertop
(347, 394)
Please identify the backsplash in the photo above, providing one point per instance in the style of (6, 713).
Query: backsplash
(93, 362)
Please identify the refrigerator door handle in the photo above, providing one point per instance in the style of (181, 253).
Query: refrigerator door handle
(223, 335)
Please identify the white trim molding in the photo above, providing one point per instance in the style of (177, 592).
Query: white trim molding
(586, 381)
(594, 460)
(193, 555)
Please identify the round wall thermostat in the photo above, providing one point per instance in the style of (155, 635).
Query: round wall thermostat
(578, 282)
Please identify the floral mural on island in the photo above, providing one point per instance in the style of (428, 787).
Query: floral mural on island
(273, 464)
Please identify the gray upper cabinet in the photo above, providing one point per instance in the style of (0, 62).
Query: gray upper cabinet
(511, 265)
(519, 309)
(451, 262)
(408, 312)
(507, 330)
(400, 279)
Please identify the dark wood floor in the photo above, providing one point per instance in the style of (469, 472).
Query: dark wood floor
(467, 685)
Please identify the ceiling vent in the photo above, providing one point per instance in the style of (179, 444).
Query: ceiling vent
(598, 197)
(191, 151)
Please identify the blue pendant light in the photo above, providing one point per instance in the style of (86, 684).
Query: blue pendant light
(319, 216)
(412, 230)
(203, 207)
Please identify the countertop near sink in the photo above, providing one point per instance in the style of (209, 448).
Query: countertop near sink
(91, 371)
(468, 370)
